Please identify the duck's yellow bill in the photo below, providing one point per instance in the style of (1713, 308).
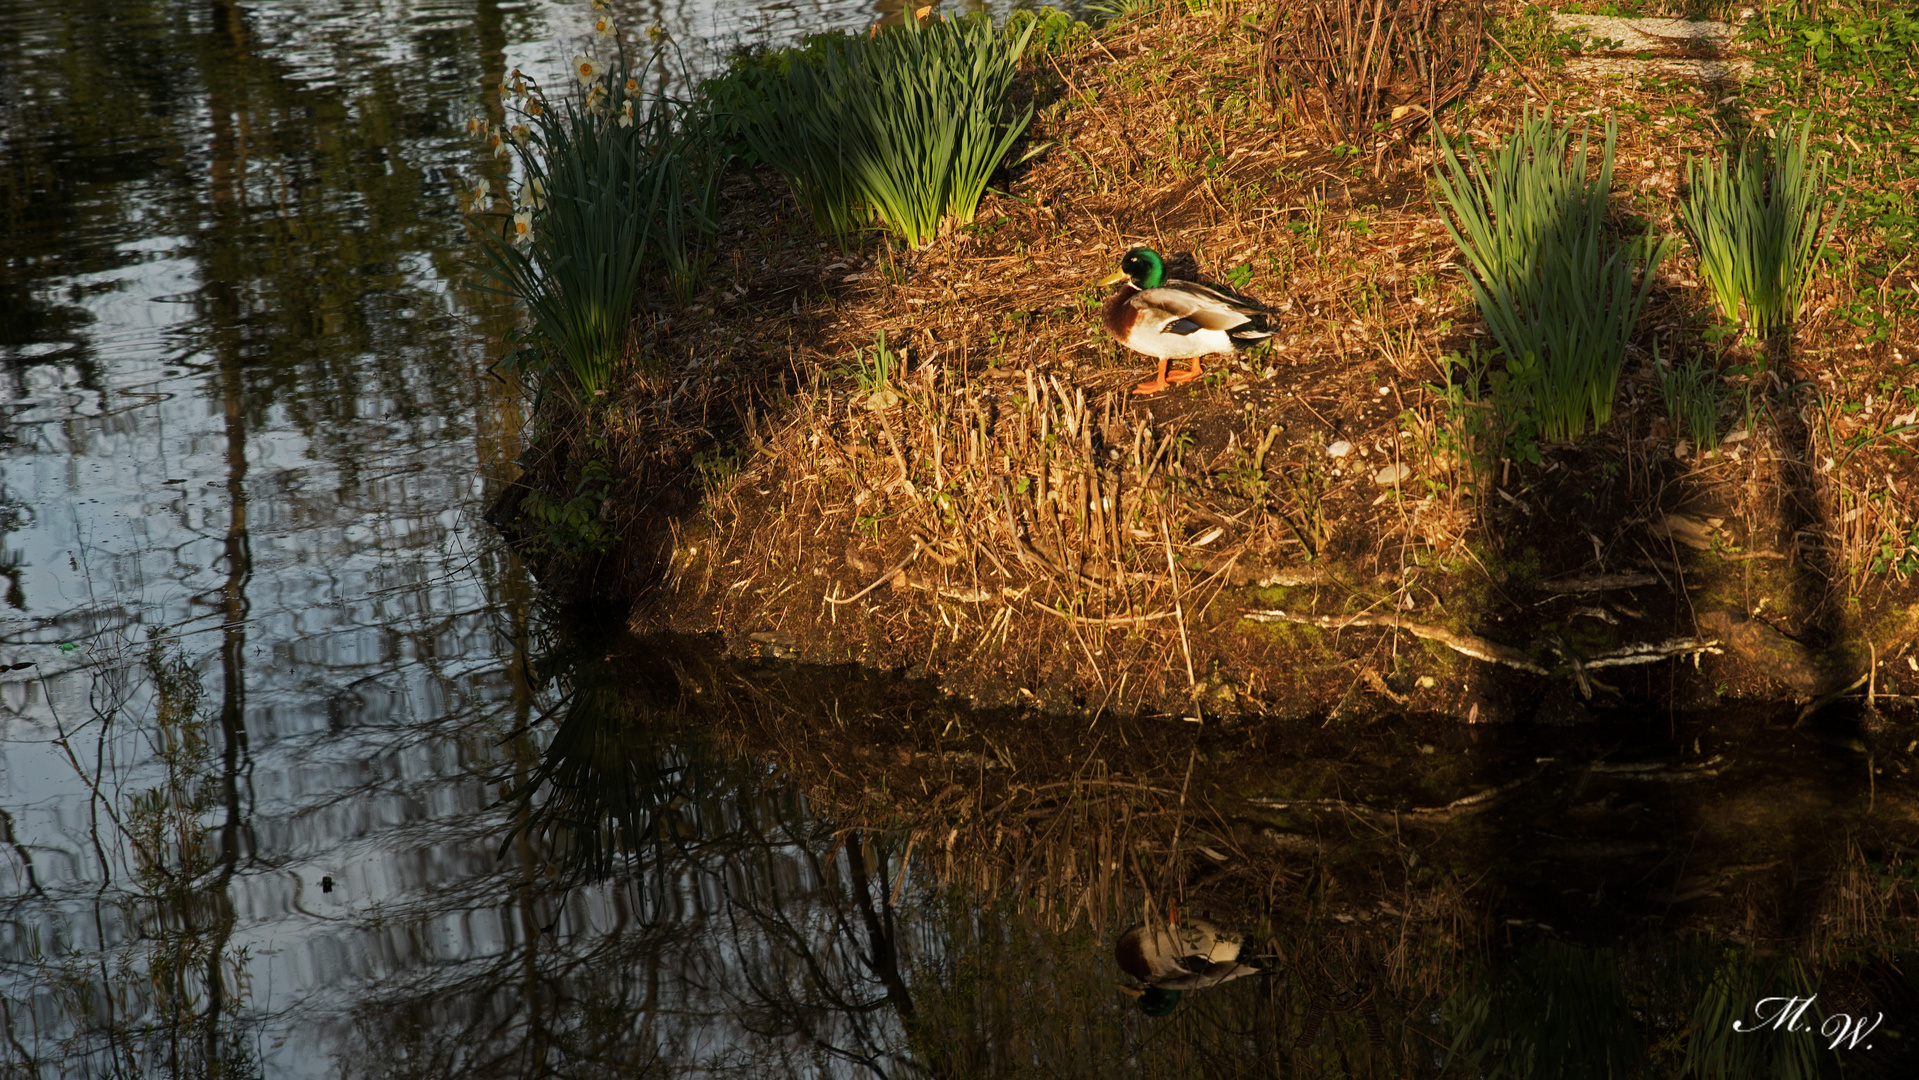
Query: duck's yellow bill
(1114, 278)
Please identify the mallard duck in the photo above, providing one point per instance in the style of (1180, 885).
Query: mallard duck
(1176, 955)
(1171, 319)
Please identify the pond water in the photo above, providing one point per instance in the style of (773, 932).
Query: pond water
(275, 690)
(265, 656)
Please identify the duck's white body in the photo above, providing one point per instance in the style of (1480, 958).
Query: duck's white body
(1178, 321)
(1189, 954)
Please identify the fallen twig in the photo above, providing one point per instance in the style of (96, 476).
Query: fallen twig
(1647, 652)
(1663, 771)
(885, 576)
(1599, 582)
(1476, 647)
(1116, 620)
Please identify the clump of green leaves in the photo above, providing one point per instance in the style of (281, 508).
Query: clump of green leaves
(1054, 31)
(1720, 1045)
(570, 526)
(717, 466)
(1898, 553)
(875, 371)
(1555, 286)
(1693, 398)
(906, 126)
(615, 197)
(1558, 1010)
(1755, 217)
(1836, 39)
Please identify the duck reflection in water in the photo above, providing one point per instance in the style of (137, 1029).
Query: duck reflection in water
(1177, 955)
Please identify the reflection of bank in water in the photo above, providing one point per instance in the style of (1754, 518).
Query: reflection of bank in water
(1421, 888)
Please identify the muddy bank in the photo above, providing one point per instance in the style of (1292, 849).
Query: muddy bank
(931, 461)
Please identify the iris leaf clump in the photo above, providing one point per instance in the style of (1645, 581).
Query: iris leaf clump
(1692, 400)
(1754, 217)
(614, 198)
(905, 126)
(1559, 291)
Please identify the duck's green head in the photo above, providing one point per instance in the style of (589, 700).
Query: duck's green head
(1143, 267)
(1157, 1002)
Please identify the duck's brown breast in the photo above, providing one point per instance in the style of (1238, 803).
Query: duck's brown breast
(1129, 952)
(1118, 316)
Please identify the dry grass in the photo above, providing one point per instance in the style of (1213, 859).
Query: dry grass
(1019, 524)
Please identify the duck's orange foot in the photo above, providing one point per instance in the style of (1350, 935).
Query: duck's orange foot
(1184, 376)
(1154, 386)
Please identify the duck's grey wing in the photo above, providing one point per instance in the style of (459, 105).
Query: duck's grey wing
(1178, 311)
(1218, 296)
(1202, 975)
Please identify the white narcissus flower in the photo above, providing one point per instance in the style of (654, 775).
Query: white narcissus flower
(479, 193)
(520, 133)
(626, 115)
(602, 27)
(523, 226)
(587, 70)
(632, 88)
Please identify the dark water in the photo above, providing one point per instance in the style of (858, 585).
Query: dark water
(276, 692)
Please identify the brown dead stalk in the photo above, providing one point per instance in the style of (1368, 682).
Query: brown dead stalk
(1354, 69)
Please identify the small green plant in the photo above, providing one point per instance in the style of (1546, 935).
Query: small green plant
(1054, 31)
(571, 527)
(1555, 287)
(1693, 398)
(1898, 553)
(874, 371)
(717, 466)
(906, 126)
(1755, 219)
(1482, 419)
